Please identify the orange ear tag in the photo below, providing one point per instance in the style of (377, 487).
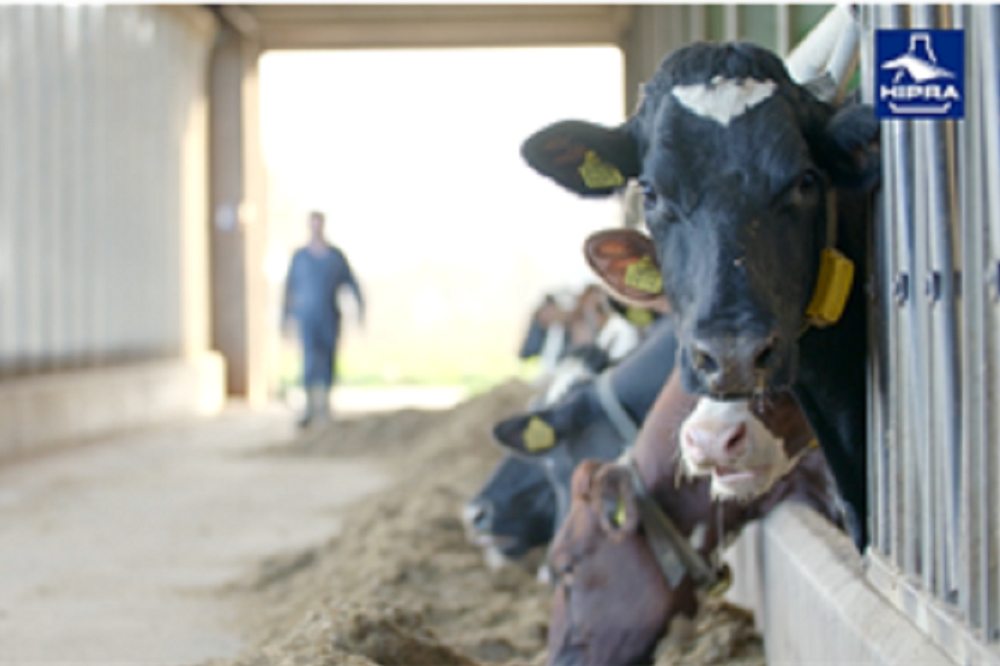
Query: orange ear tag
(598, 174)
(643, 275)
(833, 287)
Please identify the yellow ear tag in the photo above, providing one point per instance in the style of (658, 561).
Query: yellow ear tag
(638, 317)
(539, 435)
(833, 286)
(597, 174)
(620, 513)
(814, 444)
(644, 276)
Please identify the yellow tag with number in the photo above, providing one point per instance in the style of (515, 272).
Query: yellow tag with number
(539, 435)
(644, 276)
(598, 174)
(833, 287)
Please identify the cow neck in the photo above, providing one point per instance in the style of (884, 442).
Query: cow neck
(668, 506)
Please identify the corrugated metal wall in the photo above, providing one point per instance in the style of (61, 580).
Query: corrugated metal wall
(103, 184)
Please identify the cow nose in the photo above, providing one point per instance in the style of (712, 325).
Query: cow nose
(733, 365)
(478, 515)
(707, 444)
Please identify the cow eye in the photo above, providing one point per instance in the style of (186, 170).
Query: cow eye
(809, 183)
(648, 194)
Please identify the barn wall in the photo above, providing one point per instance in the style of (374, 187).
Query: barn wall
(103, 188)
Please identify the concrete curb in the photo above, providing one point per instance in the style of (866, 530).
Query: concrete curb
(809, 591)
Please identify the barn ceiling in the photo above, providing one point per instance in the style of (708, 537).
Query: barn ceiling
(432, 26)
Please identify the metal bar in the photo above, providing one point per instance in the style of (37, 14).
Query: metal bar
(782, 21)
(969, 173)
(732, 13)
(942, 391)
(697, 23)
(911, 470)
(988, 22)
(8, 194)
(881, 331)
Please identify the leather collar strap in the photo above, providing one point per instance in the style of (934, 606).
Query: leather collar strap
(674, 554)
(623, 423)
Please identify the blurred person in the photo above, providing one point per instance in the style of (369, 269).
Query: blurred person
(317, 273)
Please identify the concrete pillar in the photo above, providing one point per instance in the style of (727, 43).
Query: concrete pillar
(237, 238)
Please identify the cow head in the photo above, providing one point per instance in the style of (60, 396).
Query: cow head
(611, 603)
(739, 166)
(557, 438)
(513, 513)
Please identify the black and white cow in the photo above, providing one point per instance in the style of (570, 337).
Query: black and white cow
(751, 186)
(516, 510)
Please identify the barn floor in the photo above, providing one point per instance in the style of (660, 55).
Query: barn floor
(230, 541)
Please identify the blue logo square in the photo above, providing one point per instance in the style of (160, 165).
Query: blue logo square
(920, 74)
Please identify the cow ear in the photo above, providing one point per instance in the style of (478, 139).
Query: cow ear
(849, 150)
(626, 261)
(585, 158)
(617, 505)
(527, 434)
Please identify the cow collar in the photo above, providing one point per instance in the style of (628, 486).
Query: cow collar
(620, 419)
(836, 274)
(672, 551)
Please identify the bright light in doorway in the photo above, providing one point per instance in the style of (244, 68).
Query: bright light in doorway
(414, 156)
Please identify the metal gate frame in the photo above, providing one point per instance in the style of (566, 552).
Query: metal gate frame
(934, 376)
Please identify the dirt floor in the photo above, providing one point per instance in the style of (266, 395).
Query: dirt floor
(401, 586)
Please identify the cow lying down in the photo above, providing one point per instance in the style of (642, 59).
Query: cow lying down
(620, 582)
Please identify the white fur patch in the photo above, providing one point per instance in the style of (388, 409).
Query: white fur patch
(724, 99)
(494, 559)
(569, 371)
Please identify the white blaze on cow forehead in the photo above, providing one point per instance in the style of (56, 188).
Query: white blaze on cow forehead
(723, 99)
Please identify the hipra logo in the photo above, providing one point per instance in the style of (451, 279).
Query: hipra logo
(921, 74)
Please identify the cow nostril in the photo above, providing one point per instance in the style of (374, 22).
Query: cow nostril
(703, 361)
(736, 441)
(479, 516)
(764, 354)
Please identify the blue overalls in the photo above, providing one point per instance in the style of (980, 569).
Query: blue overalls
(311, 297)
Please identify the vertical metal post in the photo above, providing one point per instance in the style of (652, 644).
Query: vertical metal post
(913, 468)
(969, 170)
(987, 21)
(941, 393)
(8, 169)
(732, 22)
(784, 29)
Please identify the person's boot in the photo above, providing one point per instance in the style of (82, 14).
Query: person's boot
(321, 404)
(310, 411)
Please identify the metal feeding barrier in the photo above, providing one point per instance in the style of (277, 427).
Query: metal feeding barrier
(934, 508)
